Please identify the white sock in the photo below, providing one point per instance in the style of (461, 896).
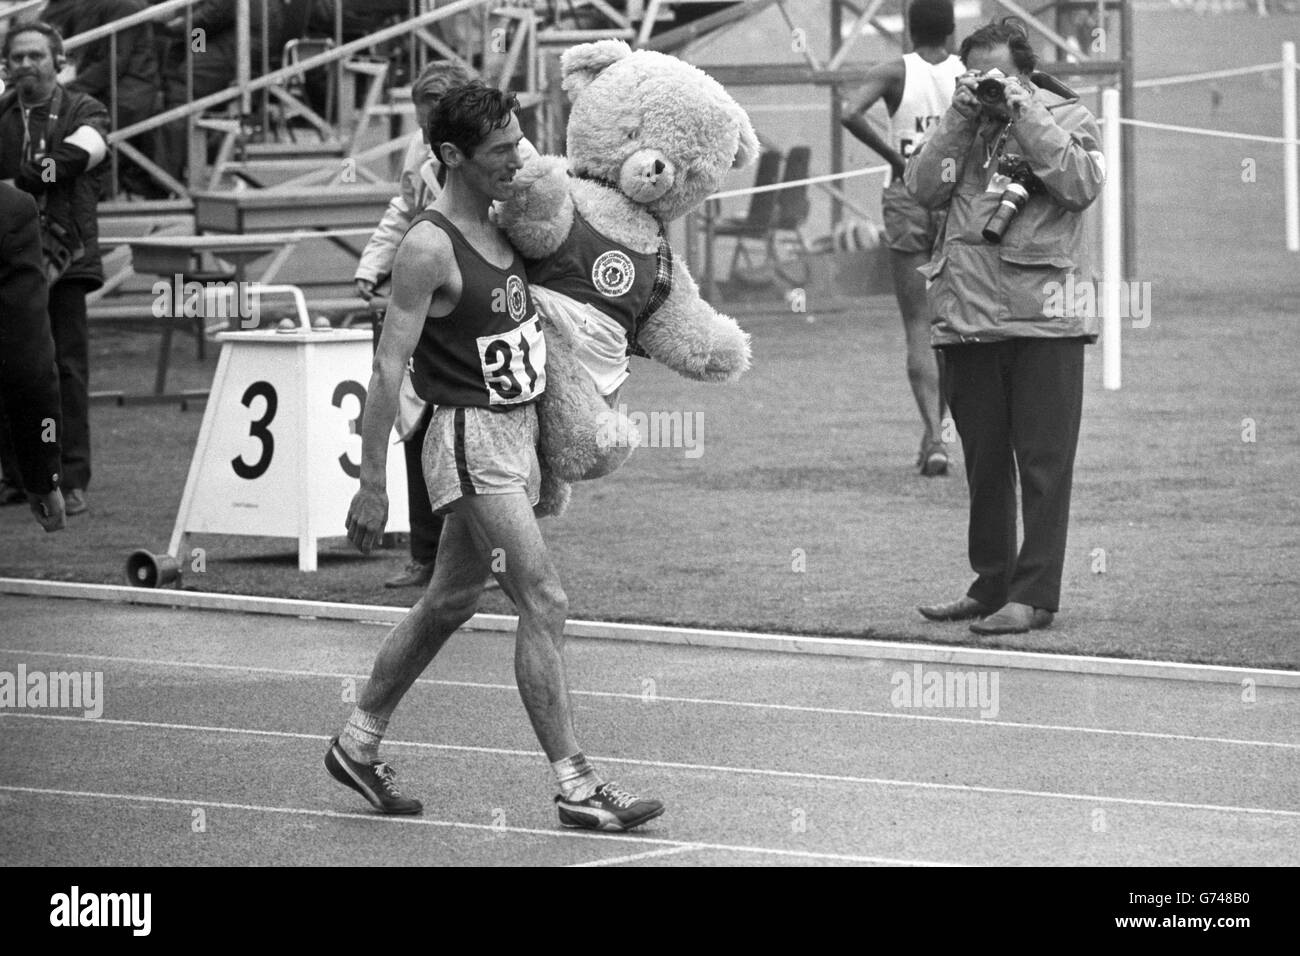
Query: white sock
(364, 731)
(577, 779)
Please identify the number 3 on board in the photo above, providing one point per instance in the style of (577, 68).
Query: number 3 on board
(260, 428)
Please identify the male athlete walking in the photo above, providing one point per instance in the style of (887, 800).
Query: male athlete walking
(461, 310)
(916, 88)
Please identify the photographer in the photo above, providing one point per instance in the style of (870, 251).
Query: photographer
(1015, 161)
(29, 384)
(52, 142)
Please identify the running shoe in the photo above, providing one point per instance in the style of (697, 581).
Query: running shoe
(609, 808)
(376, 781)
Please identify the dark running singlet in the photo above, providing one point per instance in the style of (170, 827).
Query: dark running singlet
(600, 272)
(487, 352)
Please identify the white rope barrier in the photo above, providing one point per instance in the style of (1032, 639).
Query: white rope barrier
(1211, 75)
(751, 190)
(1222, 134)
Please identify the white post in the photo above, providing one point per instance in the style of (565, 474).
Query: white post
(1111, 241)
(1291, 179)
(244, 55)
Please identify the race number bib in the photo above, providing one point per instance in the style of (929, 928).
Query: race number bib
(514, 363)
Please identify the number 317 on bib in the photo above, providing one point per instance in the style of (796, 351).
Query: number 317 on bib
(514, 364)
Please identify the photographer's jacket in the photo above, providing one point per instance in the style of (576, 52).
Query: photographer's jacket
(981, 292)
(71, 131)
(29, 381)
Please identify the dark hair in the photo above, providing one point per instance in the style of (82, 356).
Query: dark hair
(1010, 32)
(44, 29)
(930, 22)
(465, 115)
(438, 77)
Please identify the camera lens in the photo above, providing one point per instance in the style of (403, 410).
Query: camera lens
(990, 91)
(1013, 200)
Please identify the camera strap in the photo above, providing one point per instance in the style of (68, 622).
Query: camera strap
(993, 151)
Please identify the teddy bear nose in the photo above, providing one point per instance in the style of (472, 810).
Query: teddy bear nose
(659, 167)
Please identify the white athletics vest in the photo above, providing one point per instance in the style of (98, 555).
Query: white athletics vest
(927, 92)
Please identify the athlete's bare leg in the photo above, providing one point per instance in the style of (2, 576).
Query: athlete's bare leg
(447, 603)
(922, 364)
(506, 531)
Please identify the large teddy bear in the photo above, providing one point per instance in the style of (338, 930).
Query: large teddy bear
(649, 137)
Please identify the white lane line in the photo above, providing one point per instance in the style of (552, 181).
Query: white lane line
(631, 858)
(691, 767)
(702, 701)
(458, 825)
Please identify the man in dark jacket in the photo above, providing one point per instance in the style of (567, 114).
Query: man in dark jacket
(138, 83)
(52, 141)
(29, 382)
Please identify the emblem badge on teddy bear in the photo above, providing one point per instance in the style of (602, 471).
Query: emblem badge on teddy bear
(649, 138)
(613, 273)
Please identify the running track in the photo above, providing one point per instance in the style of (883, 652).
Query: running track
(763, 758)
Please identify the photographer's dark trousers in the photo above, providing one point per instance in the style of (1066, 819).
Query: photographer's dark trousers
(1017, 405)
(71, 354)
(426, 527)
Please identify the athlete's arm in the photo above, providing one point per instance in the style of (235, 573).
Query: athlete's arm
(883, 82)
(423, 265)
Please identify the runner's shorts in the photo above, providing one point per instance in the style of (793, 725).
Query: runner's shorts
(909, 226)
(477, 451)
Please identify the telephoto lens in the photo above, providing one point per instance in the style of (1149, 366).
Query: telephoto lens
(1013, 200)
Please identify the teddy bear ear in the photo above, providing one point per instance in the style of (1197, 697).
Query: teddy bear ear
(581, 64)
(748, 149)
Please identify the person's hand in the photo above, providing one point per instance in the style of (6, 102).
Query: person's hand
(367, 516)
(49, 510)
(964, 100)
(365, 289)
(1018, 97)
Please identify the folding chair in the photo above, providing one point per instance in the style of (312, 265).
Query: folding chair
(757, 224)
(792, 208)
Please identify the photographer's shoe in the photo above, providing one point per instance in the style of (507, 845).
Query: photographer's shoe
(962, 609)
(415, 575)
(376, 781)
(609, 808)
(1014, 618)
(74, 502)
